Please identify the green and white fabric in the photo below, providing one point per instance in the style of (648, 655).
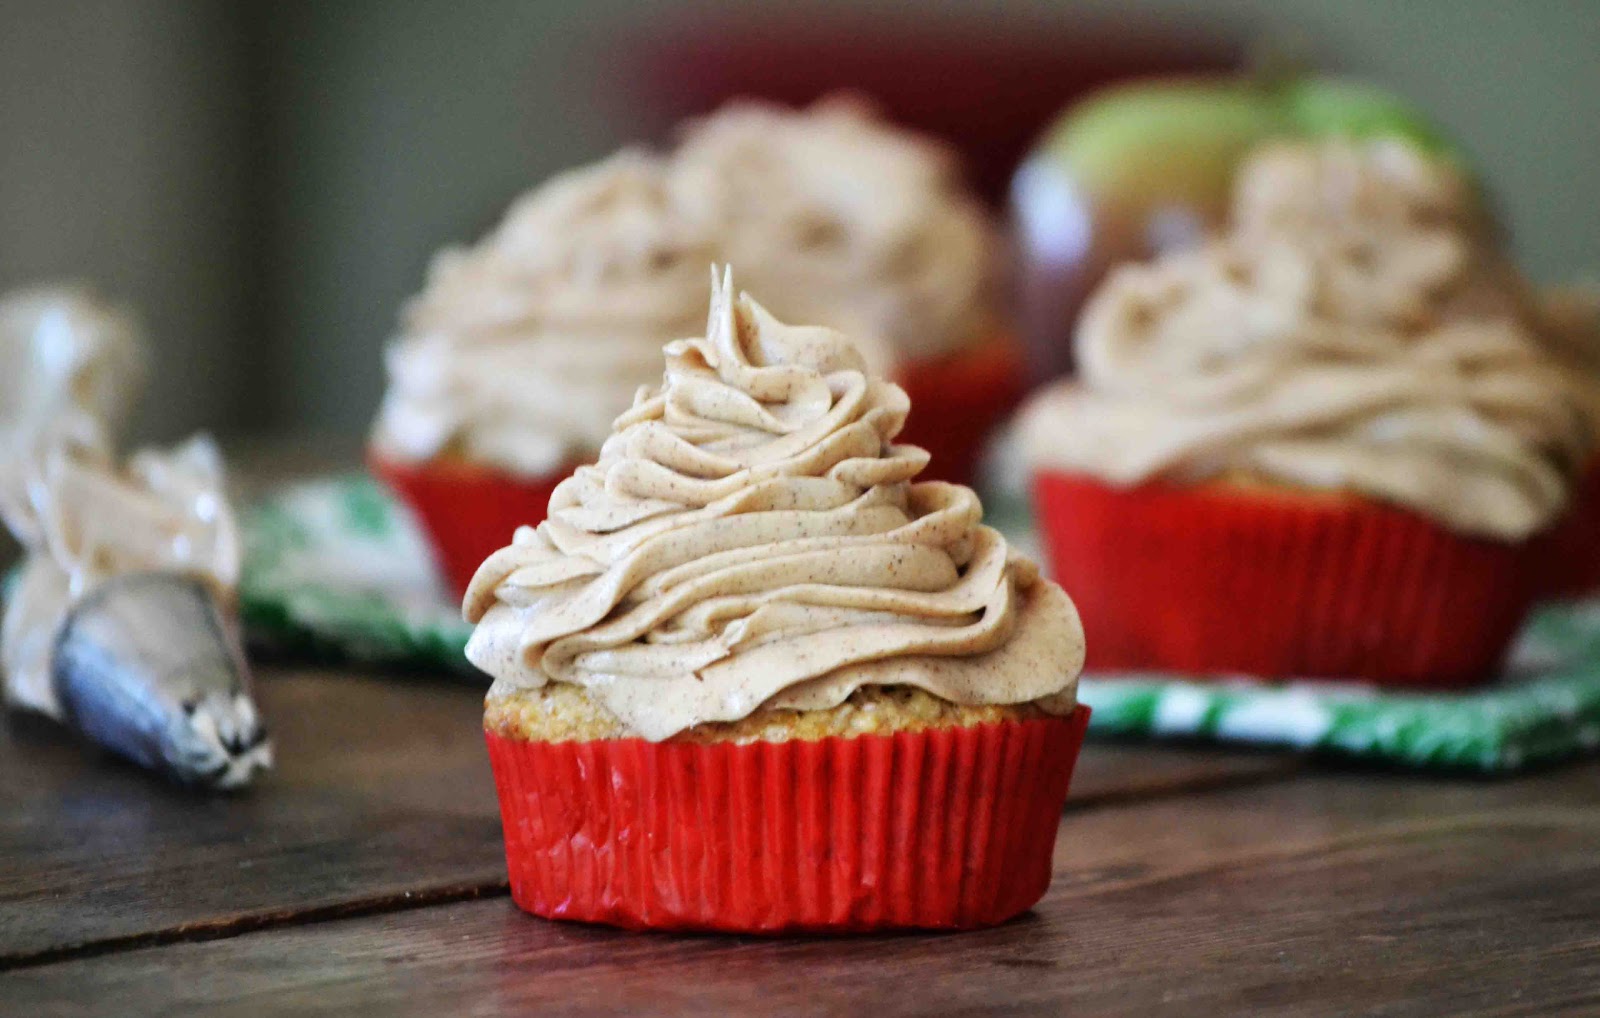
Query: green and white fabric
(335, 568)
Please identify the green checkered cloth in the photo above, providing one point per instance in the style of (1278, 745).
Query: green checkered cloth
(334, 568)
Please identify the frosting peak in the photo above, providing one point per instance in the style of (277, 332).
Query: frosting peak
(756, 395)
(751, 537)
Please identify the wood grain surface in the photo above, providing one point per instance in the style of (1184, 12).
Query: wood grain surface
(381, 791)
(381, 799)
(1327, 894)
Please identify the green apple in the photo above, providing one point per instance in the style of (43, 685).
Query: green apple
(1140, 168)
(1343, 107)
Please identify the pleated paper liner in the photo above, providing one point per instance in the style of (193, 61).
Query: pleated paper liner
(1571, 551)
(949, 828)
(468, 511)
(1228, 580)
(956, 401)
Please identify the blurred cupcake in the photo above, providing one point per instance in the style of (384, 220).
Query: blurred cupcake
(510, 363)
(1360, 195)
(751, 676)
(1322, 445)
(834, 216)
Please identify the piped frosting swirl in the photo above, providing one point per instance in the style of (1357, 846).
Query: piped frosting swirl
(751, 537)
(1353, 330)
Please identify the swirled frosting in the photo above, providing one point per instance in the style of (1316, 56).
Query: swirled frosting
(80, 516)
(519, 350)
(834, 216)
(1354, 330)
(751, 537)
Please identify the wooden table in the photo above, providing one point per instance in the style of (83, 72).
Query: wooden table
(364, 876)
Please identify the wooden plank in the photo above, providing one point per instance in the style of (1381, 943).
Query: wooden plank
(1110, 772)
(382, 797)
(381, 791)
(1326, 895)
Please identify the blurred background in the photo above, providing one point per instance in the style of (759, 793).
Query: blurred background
(266, 181)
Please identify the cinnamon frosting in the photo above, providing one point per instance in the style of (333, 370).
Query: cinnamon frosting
(836, 217)
(519, 350)
(751, 537)
(1354, 329)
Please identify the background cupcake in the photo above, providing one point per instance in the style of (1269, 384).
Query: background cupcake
(511, 361)
(1363, 196)
(750, 676)
(835, 216)
(1319, 444)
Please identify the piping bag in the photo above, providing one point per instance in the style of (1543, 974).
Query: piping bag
(122, 622)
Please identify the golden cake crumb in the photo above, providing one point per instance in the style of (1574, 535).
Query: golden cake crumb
(560, 712)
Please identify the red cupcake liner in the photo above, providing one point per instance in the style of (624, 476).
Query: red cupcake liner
(467, 511)
(1218, 581)
(957, 401)
(943, 829)
(1571, 551)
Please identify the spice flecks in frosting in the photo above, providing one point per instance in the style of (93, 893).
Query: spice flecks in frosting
(1354, 329)
(751, 537)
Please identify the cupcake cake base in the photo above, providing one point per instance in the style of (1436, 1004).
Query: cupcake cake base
(946, 827)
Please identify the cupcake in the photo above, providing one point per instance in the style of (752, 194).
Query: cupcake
(510, 363)
(751, 675)
(1326, 443)
(836, 217)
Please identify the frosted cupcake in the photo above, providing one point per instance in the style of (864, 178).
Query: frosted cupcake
(1324, 444)
(834, 216)
(510, 362)
(751, 675)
